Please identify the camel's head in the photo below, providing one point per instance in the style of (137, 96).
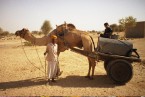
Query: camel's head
(22, 32)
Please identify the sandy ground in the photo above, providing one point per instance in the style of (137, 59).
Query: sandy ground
(19, 77)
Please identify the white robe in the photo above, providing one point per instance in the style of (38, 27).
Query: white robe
(52, 59)
(52, 69)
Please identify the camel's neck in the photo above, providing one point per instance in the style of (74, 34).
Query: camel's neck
(37, 41)
(29, 37)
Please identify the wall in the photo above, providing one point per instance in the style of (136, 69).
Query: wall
(136, 32)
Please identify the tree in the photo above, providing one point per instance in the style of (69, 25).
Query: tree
(120, 28)
(114, 27)
(93, 31)
(39, 33)
(35, 32)
(127, 22)
(5, 33)
(46, 27)
(1, 30)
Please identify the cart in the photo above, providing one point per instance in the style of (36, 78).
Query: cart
(118, 67)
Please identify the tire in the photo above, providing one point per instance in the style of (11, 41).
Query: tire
(120, 71)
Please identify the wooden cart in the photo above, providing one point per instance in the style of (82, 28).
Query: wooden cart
(118, 68)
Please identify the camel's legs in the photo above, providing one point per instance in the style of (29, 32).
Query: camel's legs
(89, 70)
(93, 64)
(87, 44)
(58, 68)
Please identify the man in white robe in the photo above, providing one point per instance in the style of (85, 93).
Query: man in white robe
(52, 58)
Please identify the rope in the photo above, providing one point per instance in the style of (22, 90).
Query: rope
(45, 67)
(38, 56)
(92, 42)
(28, 58)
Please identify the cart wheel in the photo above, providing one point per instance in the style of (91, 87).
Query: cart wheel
(120, 71)
(106, 64)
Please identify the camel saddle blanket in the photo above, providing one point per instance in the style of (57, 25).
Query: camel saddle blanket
(114, 46)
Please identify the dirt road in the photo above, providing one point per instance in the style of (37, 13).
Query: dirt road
(19, 77)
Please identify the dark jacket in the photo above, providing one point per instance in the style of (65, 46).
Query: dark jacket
(107, 33)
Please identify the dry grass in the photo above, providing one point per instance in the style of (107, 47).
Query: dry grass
(19, 77)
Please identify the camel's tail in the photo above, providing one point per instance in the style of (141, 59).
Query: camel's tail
(92, 42)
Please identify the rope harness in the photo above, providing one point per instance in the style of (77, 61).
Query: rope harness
(31, 62)
(62, 34)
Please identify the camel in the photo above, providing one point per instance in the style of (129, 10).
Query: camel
(68, 37)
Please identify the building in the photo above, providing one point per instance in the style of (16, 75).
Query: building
(136, 32)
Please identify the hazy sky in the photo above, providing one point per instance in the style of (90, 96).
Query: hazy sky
(85, 14)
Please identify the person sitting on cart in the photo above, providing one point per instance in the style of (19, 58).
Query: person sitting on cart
(108, 31)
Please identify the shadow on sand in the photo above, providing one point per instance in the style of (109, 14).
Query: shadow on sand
(100, 81)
